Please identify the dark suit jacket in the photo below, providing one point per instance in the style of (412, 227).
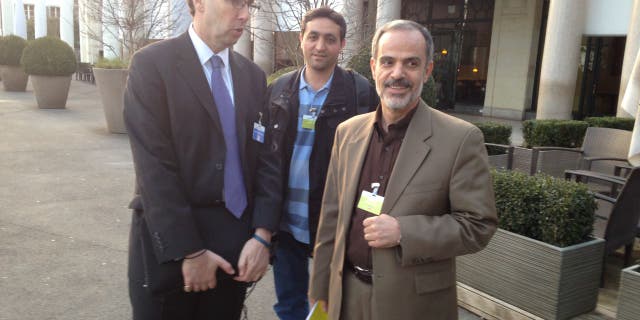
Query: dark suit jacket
(179, 150)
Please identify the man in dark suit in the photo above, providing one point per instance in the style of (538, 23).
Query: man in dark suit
(193, 110)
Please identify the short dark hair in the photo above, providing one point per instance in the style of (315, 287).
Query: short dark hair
(324, 12)
(403, 25)
(192, 8)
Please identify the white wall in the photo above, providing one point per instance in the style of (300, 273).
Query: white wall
(607, 17)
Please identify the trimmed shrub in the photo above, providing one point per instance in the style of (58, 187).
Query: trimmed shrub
(360, 63)
(48, 56)
(495, 132)
(611, 122)
(553, 133)
(115, 63)
(544, 208)
(11, 48)
(279, 73)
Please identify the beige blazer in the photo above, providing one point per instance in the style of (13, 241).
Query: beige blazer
(440, 191)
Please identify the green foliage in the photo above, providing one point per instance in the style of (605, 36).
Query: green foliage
(544, 208)
(495, 132)
(48, 56)
(278, 73)
(361, 64)
(429, 93)
(11, 48)
(611, 122)
(115, 63)
(553, 133)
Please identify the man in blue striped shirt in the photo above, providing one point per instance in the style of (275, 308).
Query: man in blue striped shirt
(305, 107)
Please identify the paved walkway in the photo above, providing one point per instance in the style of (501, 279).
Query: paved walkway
(64, 222)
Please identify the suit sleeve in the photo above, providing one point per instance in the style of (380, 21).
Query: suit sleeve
(472, 220)
(166, 208)
(270, 175)
(325, 239)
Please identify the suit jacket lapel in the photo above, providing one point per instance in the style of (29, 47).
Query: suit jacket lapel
(190, 70)
(355, 154)
(412, 153)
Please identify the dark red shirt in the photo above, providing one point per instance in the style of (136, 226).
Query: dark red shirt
(378, 165)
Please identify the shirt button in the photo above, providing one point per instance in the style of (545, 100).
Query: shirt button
(219, 166)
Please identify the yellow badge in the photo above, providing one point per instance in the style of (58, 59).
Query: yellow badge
(309, 122)
(371, 201)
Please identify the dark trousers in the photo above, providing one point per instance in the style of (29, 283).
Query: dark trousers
(221, 303)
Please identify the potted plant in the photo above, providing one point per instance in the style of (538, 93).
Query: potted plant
(549, 133)
(111, 79)
(628, 298)
(542, 259)
(14, 78)
(50, 62)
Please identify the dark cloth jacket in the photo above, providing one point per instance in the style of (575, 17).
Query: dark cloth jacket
(179, 151)
(342, 103)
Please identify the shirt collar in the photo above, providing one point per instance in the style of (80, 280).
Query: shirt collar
(203, 50)
(305, 85)
(398, 128)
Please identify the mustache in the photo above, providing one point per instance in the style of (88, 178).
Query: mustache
(402, 82)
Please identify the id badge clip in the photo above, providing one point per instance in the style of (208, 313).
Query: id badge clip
(258, 129)
(371, 201)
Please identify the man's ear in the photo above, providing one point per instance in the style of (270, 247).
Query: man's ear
(198, 5)
(372, 64)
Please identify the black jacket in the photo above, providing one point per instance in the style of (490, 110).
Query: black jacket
(345, 100)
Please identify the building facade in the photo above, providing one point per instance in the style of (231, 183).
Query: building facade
(511, 59)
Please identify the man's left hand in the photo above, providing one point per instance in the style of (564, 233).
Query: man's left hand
(382, 231)
(254, 258)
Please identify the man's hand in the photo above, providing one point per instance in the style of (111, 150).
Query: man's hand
(323, 304)
(254, 258)
(199, 273)
(382, 231)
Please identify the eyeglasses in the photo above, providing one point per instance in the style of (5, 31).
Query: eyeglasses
(241, 4)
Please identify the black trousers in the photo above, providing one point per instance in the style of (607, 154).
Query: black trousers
(224, 302)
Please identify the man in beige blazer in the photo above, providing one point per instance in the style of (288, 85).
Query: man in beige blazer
(408, 190)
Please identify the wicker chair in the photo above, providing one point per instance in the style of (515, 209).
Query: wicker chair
(617, 217)
(501, 161)
(601, 149)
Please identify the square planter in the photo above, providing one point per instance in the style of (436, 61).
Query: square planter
(542, 279)
(111, 85)
(629, 294)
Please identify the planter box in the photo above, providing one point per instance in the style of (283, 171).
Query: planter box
(629, 294)
(51, 91)
(111, 84)
(13, 78)
(545, 280)
(553, 163)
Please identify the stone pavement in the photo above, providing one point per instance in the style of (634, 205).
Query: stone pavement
(65, 183)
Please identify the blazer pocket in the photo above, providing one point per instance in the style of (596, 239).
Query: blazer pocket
(434, 281)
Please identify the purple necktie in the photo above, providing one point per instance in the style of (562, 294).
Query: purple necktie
(235, 196)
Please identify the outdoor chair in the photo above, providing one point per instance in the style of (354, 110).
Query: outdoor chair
(617, 217)
(602, 149)
(84, 72)
(500, 161)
